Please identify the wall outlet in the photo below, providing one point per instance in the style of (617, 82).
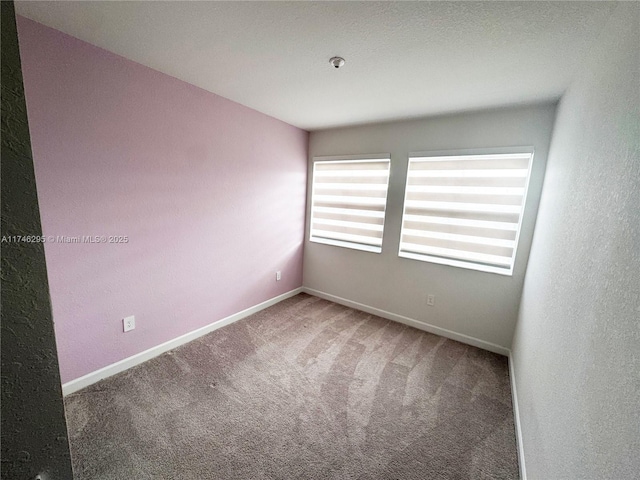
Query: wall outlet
(129, 323)
(278, 276)
(431, 300)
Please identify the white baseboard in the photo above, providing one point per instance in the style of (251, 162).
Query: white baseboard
(122, 365)
(443, 332)
(516, 419)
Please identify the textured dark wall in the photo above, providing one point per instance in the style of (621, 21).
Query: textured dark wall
(34, 432)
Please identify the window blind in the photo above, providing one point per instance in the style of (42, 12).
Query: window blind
(348, 202)
(465, 210)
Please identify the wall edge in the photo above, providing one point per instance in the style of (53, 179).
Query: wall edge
(516, 419)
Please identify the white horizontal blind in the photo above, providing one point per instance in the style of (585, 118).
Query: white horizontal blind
(465, 210)
(348, 202)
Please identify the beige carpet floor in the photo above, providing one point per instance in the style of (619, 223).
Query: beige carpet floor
(306, 389)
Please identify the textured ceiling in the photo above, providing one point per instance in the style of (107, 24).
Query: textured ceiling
(404, 59)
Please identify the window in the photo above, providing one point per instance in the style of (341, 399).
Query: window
(465, 210)
(348, 201)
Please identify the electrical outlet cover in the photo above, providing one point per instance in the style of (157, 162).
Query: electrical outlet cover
(129, 323)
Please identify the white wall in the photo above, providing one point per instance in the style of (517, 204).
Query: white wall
(576, 350)
(476, 304)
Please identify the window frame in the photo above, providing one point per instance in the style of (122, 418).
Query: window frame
(347, 159)
(470, 265)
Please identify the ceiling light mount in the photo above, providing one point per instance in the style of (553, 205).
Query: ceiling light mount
(337, 62)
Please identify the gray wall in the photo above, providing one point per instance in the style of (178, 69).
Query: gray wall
(576, 349)
(34, 432)
(477, 304)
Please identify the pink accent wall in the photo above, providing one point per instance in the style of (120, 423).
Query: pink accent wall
(211, 195)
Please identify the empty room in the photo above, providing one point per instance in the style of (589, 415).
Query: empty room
(320, 240)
